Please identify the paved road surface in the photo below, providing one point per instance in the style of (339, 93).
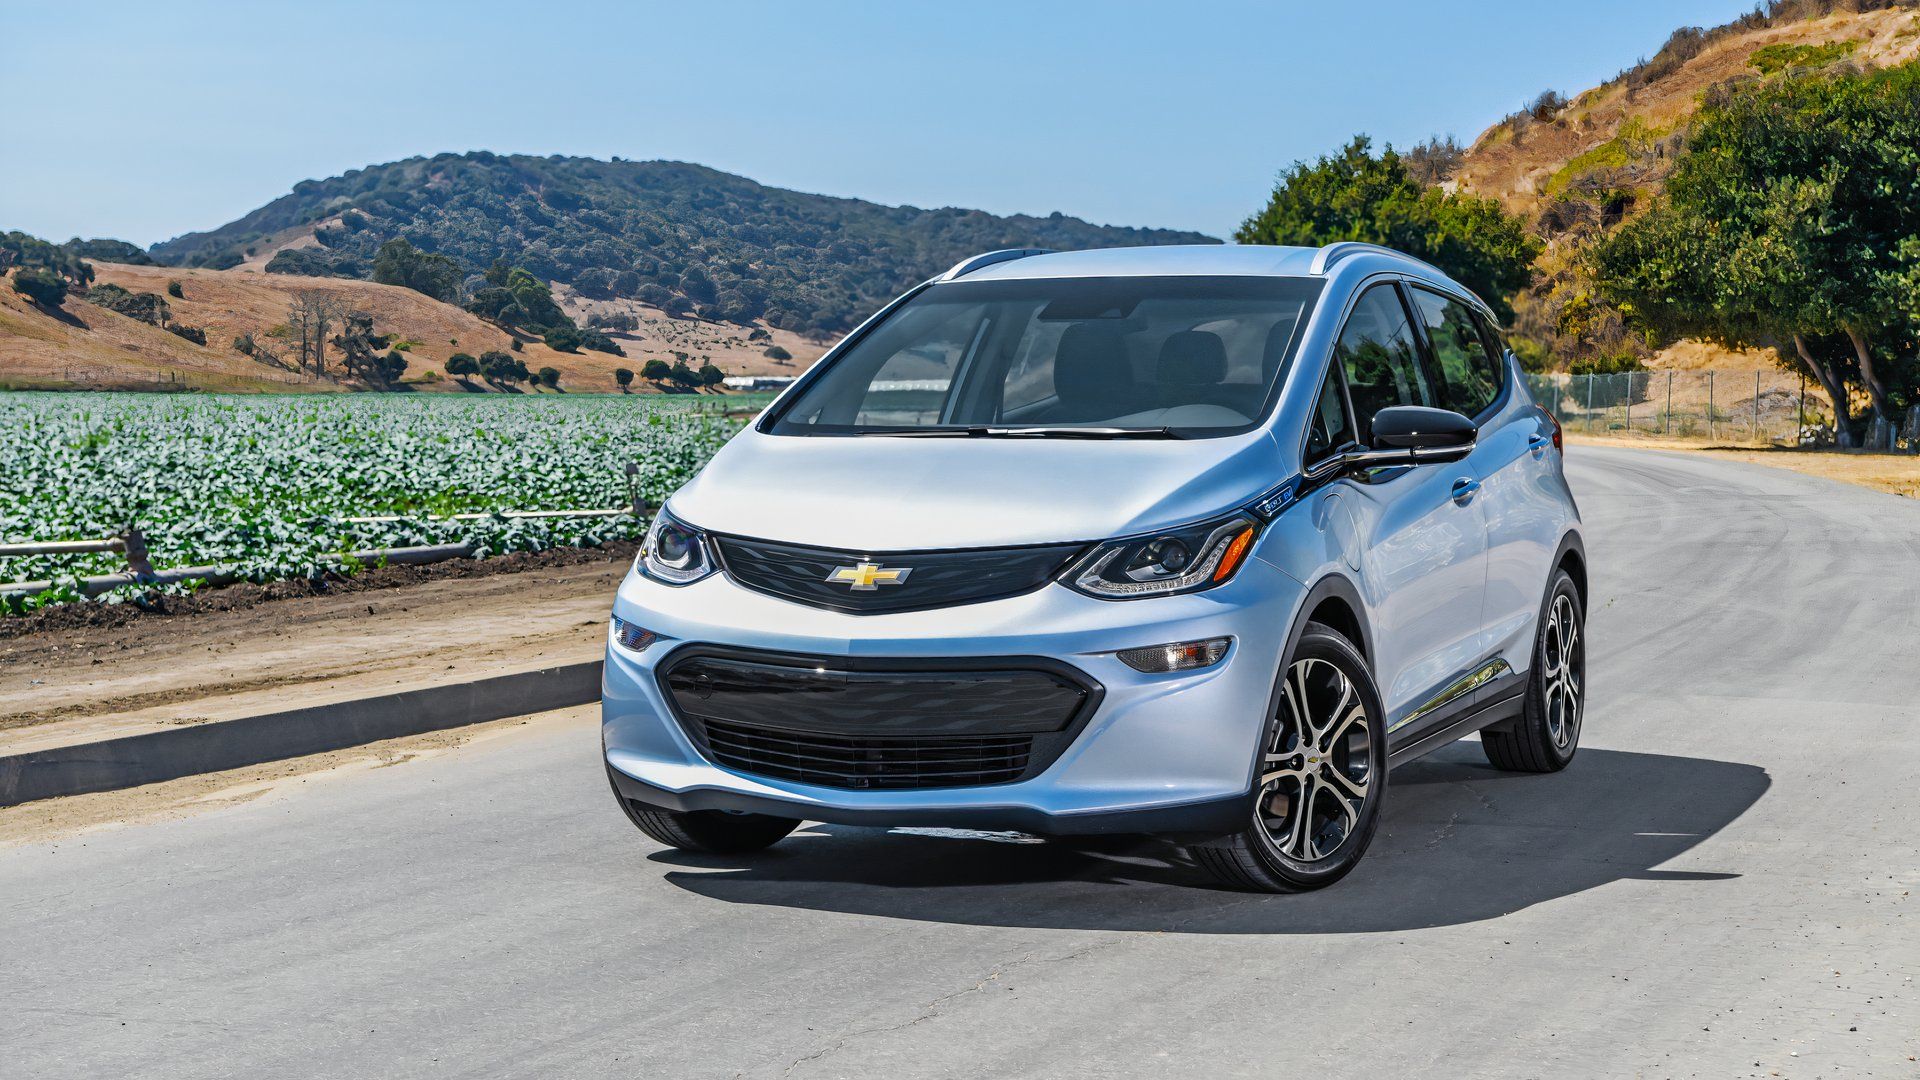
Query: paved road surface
(1722, 884)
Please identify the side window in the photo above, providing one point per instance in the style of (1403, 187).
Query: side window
(1330, 429)
(1382, 359)
(1469, 377)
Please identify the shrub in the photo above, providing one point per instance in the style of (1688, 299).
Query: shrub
(563, 339)
(146, 307)
(711, 375)
(759, 334)
(550, 377)
(776, 352)
(173, 290)
(43, 287)
(191, 333)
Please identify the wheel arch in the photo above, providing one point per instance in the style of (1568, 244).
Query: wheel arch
(1335, 602)
(1571, 556)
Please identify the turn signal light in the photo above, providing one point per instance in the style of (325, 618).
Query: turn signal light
(1180, 656)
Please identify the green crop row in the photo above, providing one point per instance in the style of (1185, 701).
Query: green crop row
(263, 484)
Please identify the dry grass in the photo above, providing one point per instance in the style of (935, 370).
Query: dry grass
(1517, 171)
(1897, 474)
(93, 347)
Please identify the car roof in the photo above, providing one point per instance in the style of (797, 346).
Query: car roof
(1338, 260)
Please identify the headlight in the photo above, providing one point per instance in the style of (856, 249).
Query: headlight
(675, 553)
(1177, 561)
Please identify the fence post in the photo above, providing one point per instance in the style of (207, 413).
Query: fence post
(1666, 423)
(137, 560)
(1589, 402)
(1629, 402)
(1709, 406)
(1800, 420)
(1756, 406)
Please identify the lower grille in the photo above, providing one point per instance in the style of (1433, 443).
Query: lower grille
(876, 725)
(870, 764)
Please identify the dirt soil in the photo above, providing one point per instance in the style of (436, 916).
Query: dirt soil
(92, 672)
(1897, 474)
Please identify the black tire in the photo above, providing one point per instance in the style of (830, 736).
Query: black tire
(1254, 858)
(717, 832)
(1547, 734)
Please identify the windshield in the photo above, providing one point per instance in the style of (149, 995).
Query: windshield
(1076, 357)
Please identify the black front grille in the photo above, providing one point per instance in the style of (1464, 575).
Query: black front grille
(869, 763)
(876, 724)
(933, 578)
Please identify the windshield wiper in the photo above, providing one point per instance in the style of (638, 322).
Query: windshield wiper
(982, 431)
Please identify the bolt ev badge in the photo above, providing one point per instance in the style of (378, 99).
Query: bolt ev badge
(868, 577)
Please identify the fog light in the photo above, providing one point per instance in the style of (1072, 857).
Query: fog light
(1182, 656)
(632, 637)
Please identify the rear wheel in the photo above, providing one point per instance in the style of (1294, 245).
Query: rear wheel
(1546, 735)
(719, 832)
(1321, 778)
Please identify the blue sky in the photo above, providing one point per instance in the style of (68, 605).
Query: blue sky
(146, 120)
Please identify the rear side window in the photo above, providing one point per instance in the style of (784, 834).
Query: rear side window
(1469, 375)
(1381, 357)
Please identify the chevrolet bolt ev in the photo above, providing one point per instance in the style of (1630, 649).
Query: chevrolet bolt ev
(1189, 541)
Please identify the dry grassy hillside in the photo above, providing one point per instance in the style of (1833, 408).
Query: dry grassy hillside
(92, 347)
(88, 347)
(1620, 133)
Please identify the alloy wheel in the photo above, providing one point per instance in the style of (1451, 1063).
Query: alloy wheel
(1563, 667)
(1317, 772)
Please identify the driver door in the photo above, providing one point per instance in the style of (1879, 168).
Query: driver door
(1423, 537)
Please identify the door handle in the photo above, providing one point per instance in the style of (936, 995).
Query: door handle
(1538, 445)
(1464, 489)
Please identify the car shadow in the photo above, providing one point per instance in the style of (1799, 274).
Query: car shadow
(1460, 842)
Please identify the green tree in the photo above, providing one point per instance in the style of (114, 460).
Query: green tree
(683, 374)
(711, 375)
(624, 377)
(563, 339)
(462, 365)
(550, 378)
(499, 367)
(1791, 222)
(1357, 195)
(656, 371)
(400, 263)
(42, 286)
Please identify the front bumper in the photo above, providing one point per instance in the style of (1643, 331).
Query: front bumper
(1170, 753)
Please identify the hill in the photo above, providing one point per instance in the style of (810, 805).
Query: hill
(675, 236)
(1621, 135)
(1573, 169)
(93, 347)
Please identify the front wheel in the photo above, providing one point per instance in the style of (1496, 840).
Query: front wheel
(1321, 777)
(718, 832)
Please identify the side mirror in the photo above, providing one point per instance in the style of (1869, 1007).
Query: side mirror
(1412, 427)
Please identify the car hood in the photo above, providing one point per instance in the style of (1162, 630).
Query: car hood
(880, 494)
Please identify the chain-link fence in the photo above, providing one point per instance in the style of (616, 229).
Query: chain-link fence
(1755, 408)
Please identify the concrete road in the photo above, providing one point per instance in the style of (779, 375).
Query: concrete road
(1722, 884)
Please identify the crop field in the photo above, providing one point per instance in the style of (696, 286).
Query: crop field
(263, 484)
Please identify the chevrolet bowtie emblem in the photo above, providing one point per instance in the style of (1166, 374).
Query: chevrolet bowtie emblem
(867, 577)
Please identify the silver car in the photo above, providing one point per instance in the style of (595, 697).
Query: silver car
(1190, 541)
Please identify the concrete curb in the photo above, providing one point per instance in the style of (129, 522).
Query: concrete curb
(231, 744)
